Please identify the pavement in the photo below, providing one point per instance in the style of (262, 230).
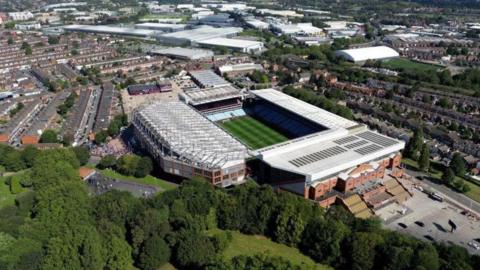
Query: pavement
(458, 197)
(428, 219)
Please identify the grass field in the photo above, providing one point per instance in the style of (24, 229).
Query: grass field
(147, 180)
(254, 244)
(405, 64)
(252, 132)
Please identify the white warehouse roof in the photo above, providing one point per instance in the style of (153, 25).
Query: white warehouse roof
(241, 44)
(103, 29)
(160, 26)
(200, 33)
(185, 53)
(369, 53)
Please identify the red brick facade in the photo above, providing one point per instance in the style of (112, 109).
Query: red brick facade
(358, 176)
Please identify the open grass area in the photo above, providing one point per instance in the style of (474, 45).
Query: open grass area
(255, 244)
(147, 180)
(252, 132)
(401, 64)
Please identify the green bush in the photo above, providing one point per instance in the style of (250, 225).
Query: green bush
(15, 186)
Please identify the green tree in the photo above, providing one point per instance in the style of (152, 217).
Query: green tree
(144, 167)
(321, 240)
(49, 136)
(127, 164)
(424, 160)
(101, 137)
(457, 164)
(194, 250)
(29, 154)
(10, 41)
(289, 226)
(155, 253)
(52, 40)
(108, 161)
(362, 250)
(82, 154)
(414, 145)
(448, 176)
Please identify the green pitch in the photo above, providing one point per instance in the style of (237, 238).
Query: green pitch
(252, 132)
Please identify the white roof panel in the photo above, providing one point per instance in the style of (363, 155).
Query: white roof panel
(369, 53)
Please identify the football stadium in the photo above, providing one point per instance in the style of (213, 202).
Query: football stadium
(299, 147)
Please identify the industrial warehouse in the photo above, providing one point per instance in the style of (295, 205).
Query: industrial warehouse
(318, 155)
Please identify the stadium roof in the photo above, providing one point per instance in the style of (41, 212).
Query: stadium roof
(190, 135)
(303, 109)
(343, 145)
(231, 43)
(202, 96)
(186, 53)
(102, 29)
(369, 53)
(208, 78)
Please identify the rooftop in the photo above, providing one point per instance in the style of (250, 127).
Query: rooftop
(343, 145)
(190, 135)
(202, 33)
(208, 78)
(303, 109)
(110, 30)
(363, 54)
(231, 43)
(184, 53)
(201, 96)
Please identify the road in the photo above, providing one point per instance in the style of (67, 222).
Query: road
(460, 198)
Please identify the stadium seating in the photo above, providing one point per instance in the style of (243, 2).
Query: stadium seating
(283, 120)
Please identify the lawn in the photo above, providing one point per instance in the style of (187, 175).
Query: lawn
(252, 132)
(147, 180)
(254, 244)
(402, 64)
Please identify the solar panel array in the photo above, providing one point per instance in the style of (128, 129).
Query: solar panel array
(319, 155)
(368, 149)
(356, 144)
(346, 140)
(376, 138)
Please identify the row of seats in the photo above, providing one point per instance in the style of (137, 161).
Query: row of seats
(289, 123)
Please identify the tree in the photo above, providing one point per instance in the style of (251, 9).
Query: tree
(193, 250)
(127, 164)
(52, 40)
(361, 250)
(82, 154)
(289, 226)
(414, 145)
(424, 160)
(49, 136)
(448, 176)
(321, 240)
(29, 154)
(101, 137)
(144, 167)
(155, 253)
(108, 161)
(457, 164)
(10, 41)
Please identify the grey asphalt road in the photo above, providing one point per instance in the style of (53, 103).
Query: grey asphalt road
(475, 206)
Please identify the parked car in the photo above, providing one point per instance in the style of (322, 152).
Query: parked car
(419, 223)
(474, 245)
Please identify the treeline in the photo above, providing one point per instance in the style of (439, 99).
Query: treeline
(320, 101)
(57, 225)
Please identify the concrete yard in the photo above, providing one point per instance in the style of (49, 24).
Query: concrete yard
(434, 216)
(131, 102)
